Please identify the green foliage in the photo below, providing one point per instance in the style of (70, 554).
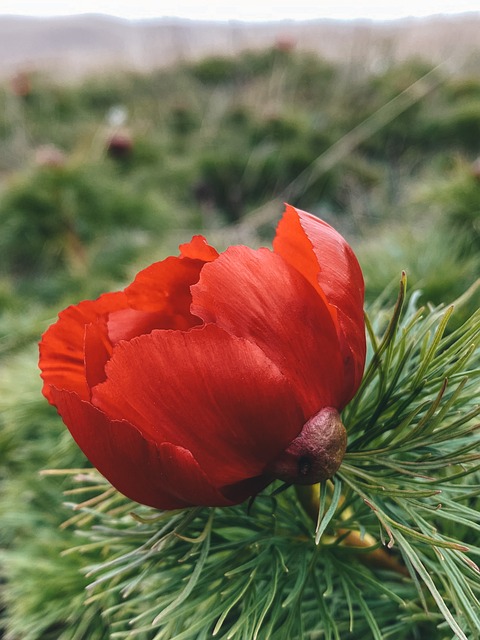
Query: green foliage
(182, 120)
(387, 159)
(459, 199)
(215, 70)
(435, 262)
(244, 128)
(413, 455)
(456, 126)
(49, 215)
(42, 591)
(409, 484)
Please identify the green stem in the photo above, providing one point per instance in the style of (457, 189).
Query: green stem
(309, 496)
(378, 558)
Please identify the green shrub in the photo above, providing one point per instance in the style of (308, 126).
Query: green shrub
(455, 127)
(50, 215)
(215, 70)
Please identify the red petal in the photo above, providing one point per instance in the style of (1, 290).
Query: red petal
(160, 297)
(62, 358)
(165, 476)
(324, 257)
(218, 396)
(164, 287)
(126, 324)
(258, 296)
(97, 351)
(198, 249)
(186, 481)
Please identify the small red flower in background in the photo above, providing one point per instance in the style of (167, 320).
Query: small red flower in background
(190, 385)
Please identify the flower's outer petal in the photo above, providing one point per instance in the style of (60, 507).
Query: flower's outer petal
(204, 390)
(258, 296)
(159, 298)
(97, 351)
(324, 257)
(62, 355)
(198, 249)
(186, 481)
(164, 287)
(163, 476)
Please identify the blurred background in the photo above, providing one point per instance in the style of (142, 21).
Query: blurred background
(123, 134)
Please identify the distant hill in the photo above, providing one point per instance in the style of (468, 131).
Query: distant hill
(91, 43)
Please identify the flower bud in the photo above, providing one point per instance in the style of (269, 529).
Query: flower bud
(316, 453)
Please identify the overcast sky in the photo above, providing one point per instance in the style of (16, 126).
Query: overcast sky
(240, 9)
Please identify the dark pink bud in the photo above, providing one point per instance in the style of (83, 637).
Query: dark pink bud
(316, 453)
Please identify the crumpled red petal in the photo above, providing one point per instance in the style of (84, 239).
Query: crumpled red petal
(159, 298)
(97, 351)
(164, 287)
(198, 249)
(258, 296)
(204, 390)
(62, 355)
(323, 256)
(164, 476)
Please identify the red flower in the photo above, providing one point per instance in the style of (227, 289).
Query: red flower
(212, 374)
